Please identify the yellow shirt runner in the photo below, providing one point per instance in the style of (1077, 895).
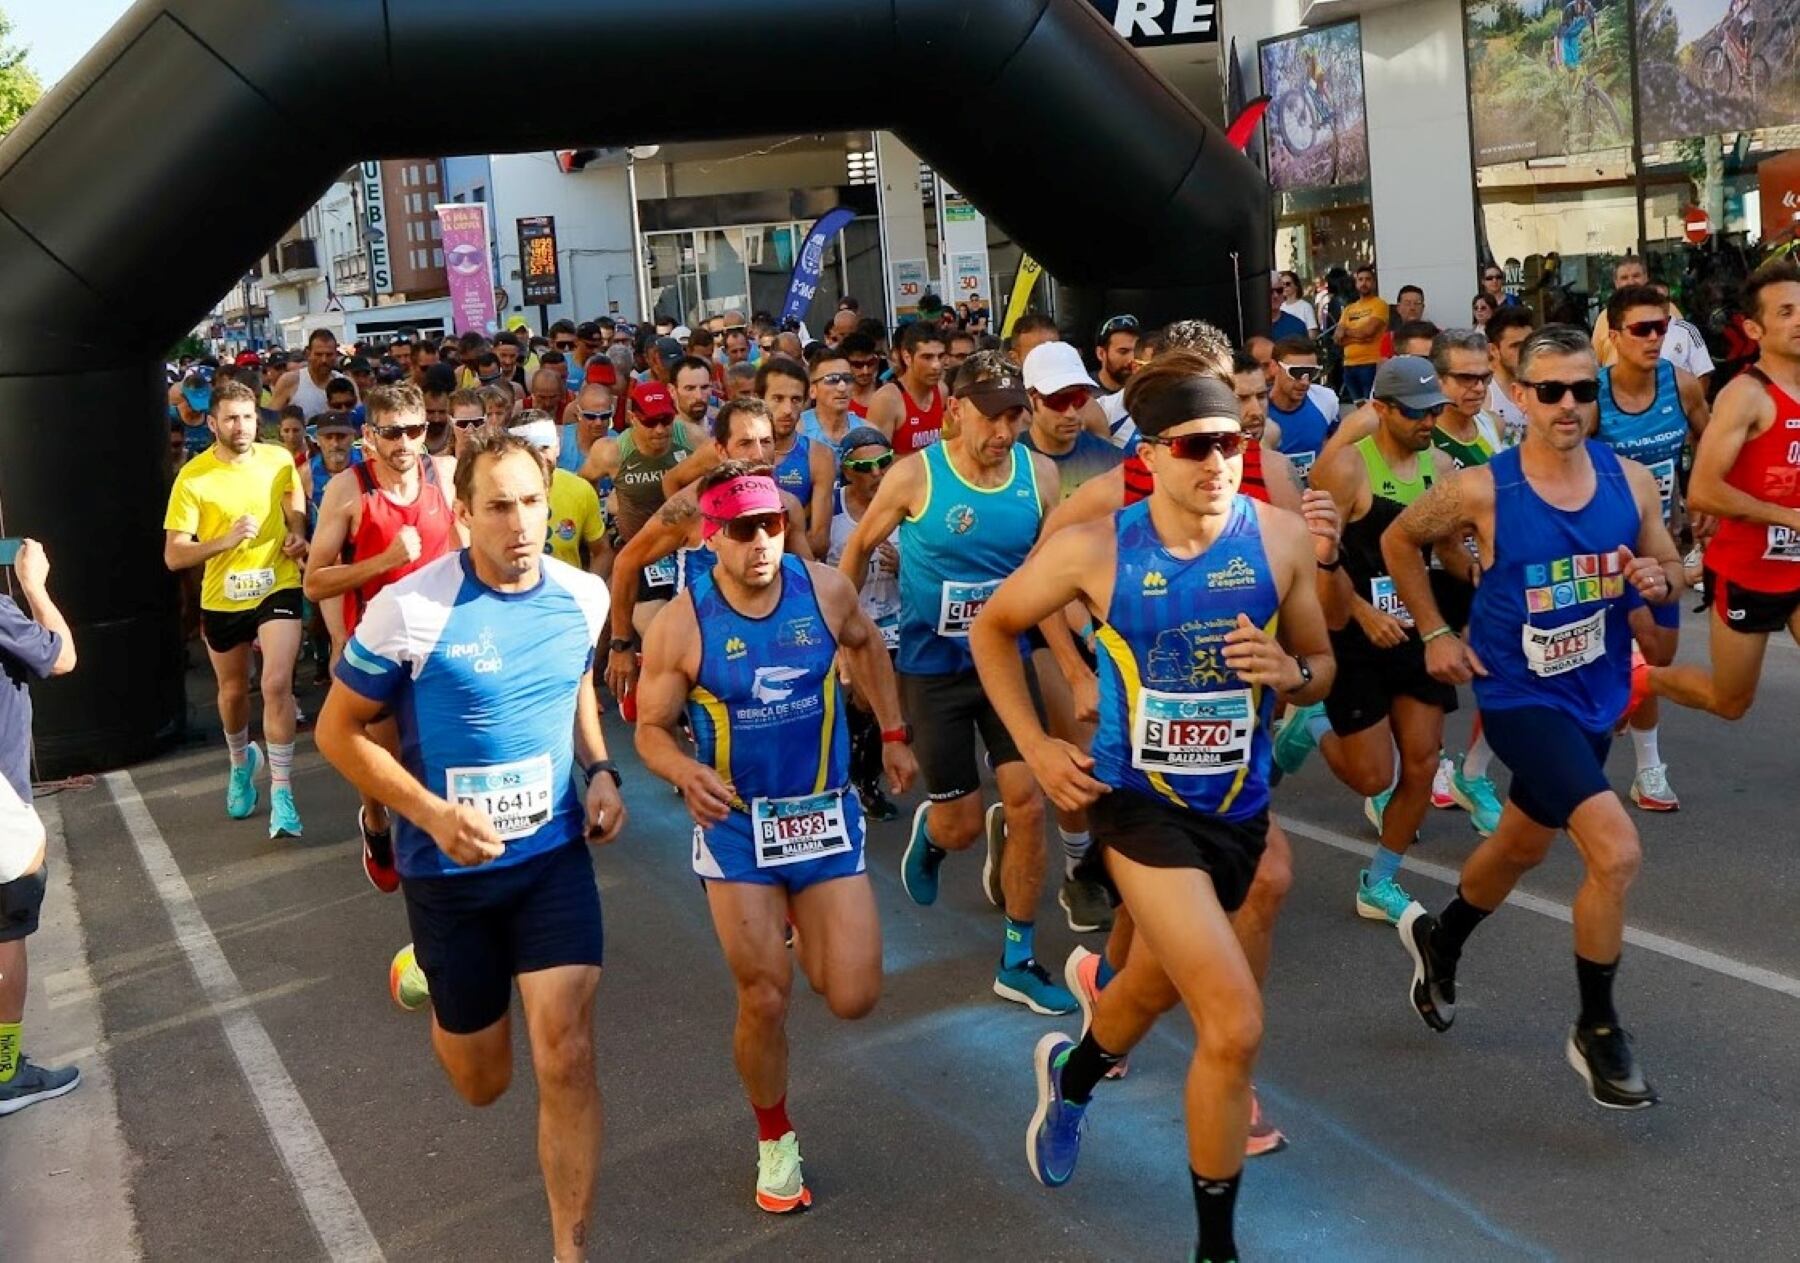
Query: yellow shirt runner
(574, 518)
(209, 495)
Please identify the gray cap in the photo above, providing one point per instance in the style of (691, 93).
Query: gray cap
(670, 350)
(1409, 380)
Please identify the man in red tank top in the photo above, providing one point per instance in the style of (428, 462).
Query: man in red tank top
(910, 409)
(1747, 474)
(379, 521)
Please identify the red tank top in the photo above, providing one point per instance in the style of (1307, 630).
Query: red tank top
(1750, 554)
(428, 514)
(922, 426)
(1139, 480)
(859, 410)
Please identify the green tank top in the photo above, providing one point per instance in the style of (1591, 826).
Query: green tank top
(1480, 452)
(637, 486)
(1361, 542)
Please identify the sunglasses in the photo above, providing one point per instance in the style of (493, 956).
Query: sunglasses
(392, 432)
(1415, 414)
(1067, 400)
(1552, 392)
(1493, 276)
(1118, 324)
(834, 379)
(744, 529)
(565, 346)
(869, 464)
(1470, 379)
(595, 416)
(1648, 328)
(1227, 443)
(465, 423)
(1301, 372)
(656, 423)
(860, 364)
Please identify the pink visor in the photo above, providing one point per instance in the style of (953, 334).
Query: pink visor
(753, 493)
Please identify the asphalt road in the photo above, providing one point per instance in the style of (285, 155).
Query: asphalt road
(1404, 1144)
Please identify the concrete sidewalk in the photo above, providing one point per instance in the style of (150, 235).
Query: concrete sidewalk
(65, 1190)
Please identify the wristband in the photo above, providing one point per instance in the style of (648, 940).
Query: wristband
(901, 735)
(1430, 636)
(607, 766)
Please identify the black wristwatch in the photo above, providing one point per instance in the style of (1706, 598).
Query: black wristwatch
(607, 766)
(1306, 675)
(623, 646)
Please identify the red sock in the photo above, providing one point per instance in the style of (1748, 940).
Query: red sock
(772, 1123)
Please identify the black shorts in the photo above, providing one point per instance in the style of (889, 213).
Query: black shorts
(225, 630)
(473, 933)
(1748, 611)
(946, 711)
(1369, 679)
(1158, 834)
(20, 900)
(1556, 764)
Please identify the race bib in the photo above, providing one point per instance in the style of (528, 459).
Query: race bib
(1784, 544)
(515, 797)
(959, 605)
(890, 632)
(660, 573)
(789, 830)
(1664, 473)
(1384, 597)
(1551, 651)
(1195, 734)
(1302, 462)
(249, 585)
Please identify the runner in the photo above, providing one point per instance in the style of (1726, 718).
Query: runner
(1506, 332)
(237, 509)
(1060, 388)
(1747, 474)
(388, 518)
(1179, 804)
(485, 658)
(1304, 412)
(829, 420)
(1648, 408)
(968, 512)
(896, 409)
(1558, 519)
(751, 651)
(306, 384)
(863, 354)
(577, 532)
(1361, 421)
(634, 463)
(1382, 725)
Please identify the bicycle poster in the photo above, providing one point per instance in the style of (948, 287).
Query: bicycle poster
(1709, 66)
(1315, 126)
(1547, 77)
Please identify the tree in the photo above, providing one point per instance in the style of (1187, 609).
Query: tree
(19, 88)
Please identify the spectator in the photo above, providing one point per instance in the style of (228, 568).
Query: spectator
(1493, 284)
(1360, 332)
(1283, 324)
(1481, 310)
(38, 646)
(1294, 303)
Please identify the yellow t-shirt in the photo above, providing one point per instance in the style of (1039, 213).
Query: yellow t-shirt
(1357, 353)
(574, 517)
(209, 495)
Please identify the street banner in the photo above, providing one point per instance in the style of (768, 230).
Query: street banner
(468, 266)
(538, 269)
(1029, 271)
(1315, 124)
(1707, 66)
(803, 283)
(1547, 77)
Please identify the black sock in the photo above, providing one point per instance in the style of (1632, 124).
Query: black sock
(1215, 1204)
(1087, 1064)
(1454, 926)
(1596, 982)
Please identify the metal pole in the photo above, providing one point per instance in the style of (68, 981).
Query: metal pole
(1637, 134)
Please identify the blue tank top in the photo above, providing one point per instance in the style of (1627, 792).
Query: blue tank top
(1303, 432)
(765, 709)
(958, 548)
(794, 474)
(1175, 722)
(1654, 437)
(1549, 619)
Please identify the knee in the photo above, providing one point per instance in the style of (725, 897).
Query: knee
(762, 1002)
(1369, 779)
(955, 827)
(484, 1083)
(1615, 866)
(1269, 889)
(854, 998)
(1419, 766)
(233, 691)
(565, 1061)
(1527, 852)
(1025, 817)
(1733, 705)
(277, 682)
(1232, 1033)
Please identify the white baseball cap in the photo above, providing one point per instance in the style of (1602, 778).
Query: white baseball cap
(1054, 366)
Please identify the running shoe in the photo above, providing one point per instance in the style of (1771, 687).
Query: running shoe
(284, 817)
(779, 1187)
(994, 826)
(378, 856)
(876, 805)
(32, 1083)
(1030, 984)
(1478, 796)
(1441, 797)
(406, 981)
(1375, 808)
(240, 790)
(1265, 1138)
(1433, 991)
(1294, 740)
(1384, 901)
(1053, 1141)
(1085, 903)
(919, 863)
(1603, 1057)
(1081, 974)
(1651, 791)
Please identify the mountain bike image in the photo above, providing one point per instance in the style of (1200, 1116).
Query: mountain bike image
(1733, 66)
(1314, 125)
(1303, 117)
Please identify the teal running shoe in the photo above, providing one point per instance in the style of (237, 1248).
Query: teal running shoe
(1384, 901)
(920, 862)
(1477, 796)
(284, 817)
(1294, 739)
(240, 790)
(1375, 808)
(1030, 984)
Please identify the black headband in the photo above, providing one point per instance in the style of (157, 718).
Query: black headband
(1189, 399)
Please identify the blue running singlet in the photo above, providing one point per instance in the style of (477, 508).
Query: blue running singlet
(1654, 437)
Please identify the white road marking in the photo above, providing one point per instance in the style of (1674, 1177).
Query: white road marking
(1662, 945)
(327, 1198)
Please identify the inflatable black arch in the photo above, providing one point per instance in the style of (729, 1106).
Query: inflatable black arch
(142, 186)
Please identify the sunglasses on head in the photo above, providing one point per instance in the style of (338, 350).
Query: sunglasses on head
(744, 529)
(1227, 443)
(1415, 414)
(1068, 399)
(1301, 372)
(869, 464)
(392, 432)
(1648, 328)
(1585, 391)
(1118, 324)
(834, 379)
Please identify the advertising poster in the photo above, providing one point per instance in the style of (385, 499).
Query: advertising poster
(1315, 124)
(538, 268)
(1709, 66)
(910, 282)
(468, 267)
(1547, 77)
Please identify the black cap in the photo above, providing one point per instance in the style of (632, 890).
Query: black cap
(589, 331)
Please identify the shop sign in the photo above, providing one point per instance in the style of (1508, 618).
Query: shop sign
(1159, 23)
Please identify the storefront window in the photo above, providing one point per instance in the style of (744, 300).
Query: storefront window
(697, 275)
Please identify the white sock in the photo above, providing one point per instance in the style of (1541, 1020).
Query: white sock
(1475, 762)
(1643, 744)
(281, 765)
(239, 745)
(1075, 847)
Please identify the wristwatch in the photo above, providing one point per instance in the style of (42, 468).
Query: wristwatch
(902, 735)
(623, 646)
(607, 766)
(1306, 675)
